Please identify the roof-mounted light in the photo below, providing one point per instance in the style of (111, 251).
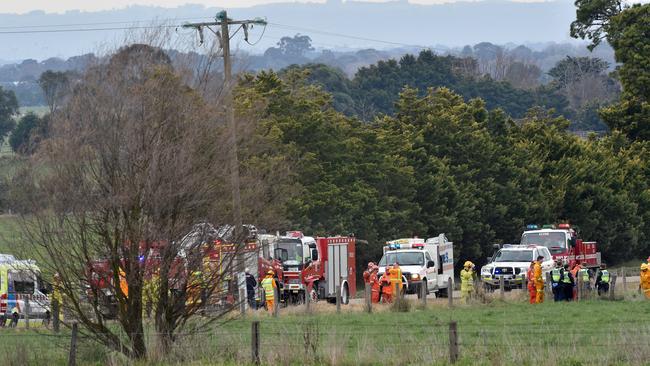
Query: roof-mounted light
(564, 226)
(532, 227)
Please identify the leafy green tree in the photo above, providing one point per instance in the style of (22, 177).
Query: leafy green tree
(55, 86)
(8, 108)
(29, 131)
(628, 31)
(593, 19)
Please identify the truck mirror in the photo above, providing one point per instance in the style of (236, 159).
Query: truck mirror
(314, 254)
(431, 264)
(496, 246)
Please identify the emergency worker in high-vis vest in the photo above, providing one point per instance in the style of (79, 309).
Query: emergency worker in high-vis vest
(467, 281)
(539, 280)
(556, 276)
(269, 286)
(602, 280)
(395, 275)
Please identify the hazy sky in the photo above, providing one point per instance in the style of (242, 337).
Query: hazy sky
(17, 6)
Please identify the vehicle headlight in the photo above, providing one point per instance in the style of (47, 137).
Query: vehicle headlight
(415, 276)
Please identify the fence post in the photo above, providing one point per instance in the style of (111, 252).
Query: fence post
(502, 288)
(255, 342)
(276, 301)
(423, 293)
(242, 301)
(624, 281)
(338, 299)
(450, 293)
(548, 285)
(612, 287)
(72, 359)
(580, 285)
(55, 315)
(368, 297)
(307, 300)
(27, 309)
(453, 342)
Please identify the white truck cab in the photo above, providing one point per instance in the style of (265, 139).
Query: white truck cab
(512, 262)
(428, 263)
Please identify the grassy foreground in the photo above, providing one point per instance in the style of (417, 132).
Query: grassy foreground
(592, 332)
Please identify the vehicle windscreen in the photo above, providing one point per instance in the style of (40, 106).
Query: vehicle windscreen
(289, 251)
(403, 259)
(514, 256)
(554, 241)
(21, 282)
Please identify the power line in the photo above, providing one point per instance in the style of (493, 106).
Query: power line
(333, 34)
(88, 29)
(98, 23)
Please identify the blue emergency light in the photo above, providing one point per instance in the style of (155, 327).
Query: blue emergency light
(393, 246)
(532, 227)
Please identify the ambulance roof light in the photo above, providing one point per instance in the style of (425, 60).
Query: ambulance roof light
(294, 234)
(548, 226)
(532, 227)
(564, 226)
(418, 246)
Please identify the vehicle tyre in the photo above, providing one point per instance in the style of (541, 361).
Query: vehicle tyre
(345, 295)
(426, 288)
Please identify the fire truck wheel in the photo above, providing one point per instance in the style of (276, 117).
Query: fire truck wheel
(345, 295)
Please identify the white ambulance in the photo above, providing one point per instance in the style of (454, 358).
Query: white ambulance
(428, 263)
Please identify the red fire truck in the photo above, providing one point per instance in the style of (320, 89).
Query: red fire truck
(563, 243)
(331, 265)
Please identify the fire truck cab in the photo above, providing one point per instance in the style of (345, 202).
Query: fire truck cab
(294, 252)
(563, 243)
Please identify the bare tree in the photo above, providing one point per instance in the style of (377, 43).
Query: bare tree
(134, 161)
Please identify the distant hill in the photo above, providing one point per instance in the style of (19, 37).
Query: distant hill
(450, 24)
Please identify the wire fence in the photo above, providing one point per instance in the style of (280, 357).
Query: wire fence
(314, 341)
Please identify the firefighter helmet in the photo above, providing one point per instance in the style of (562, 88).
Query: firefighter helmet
(468, 264)
(644, 266)
(270, 272)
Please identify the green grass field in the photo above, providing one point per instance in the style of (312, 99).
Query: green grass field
(591, 332)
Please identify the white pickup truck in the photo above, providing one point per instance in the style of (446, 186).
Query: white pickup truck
(512, 262)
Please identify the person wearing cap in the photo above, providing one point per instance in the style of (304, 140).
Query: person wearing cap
(556, 276)
(530, 276)
(602, 280)
(251, 283)
(467, 281)
(269, 286)
(568, 283)
(644, 284)
(539, 280)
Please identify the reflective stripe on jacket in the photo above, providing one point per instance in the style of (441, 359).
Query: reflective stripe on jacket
(268, 284)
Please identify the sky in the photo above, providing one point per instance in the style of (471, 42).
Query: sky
(59, 6)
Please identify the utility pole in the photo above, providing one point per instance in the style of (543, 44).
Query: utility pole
(223, 35)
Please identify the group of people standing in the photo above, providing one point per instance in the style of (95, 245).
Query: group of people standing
(566, 282)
